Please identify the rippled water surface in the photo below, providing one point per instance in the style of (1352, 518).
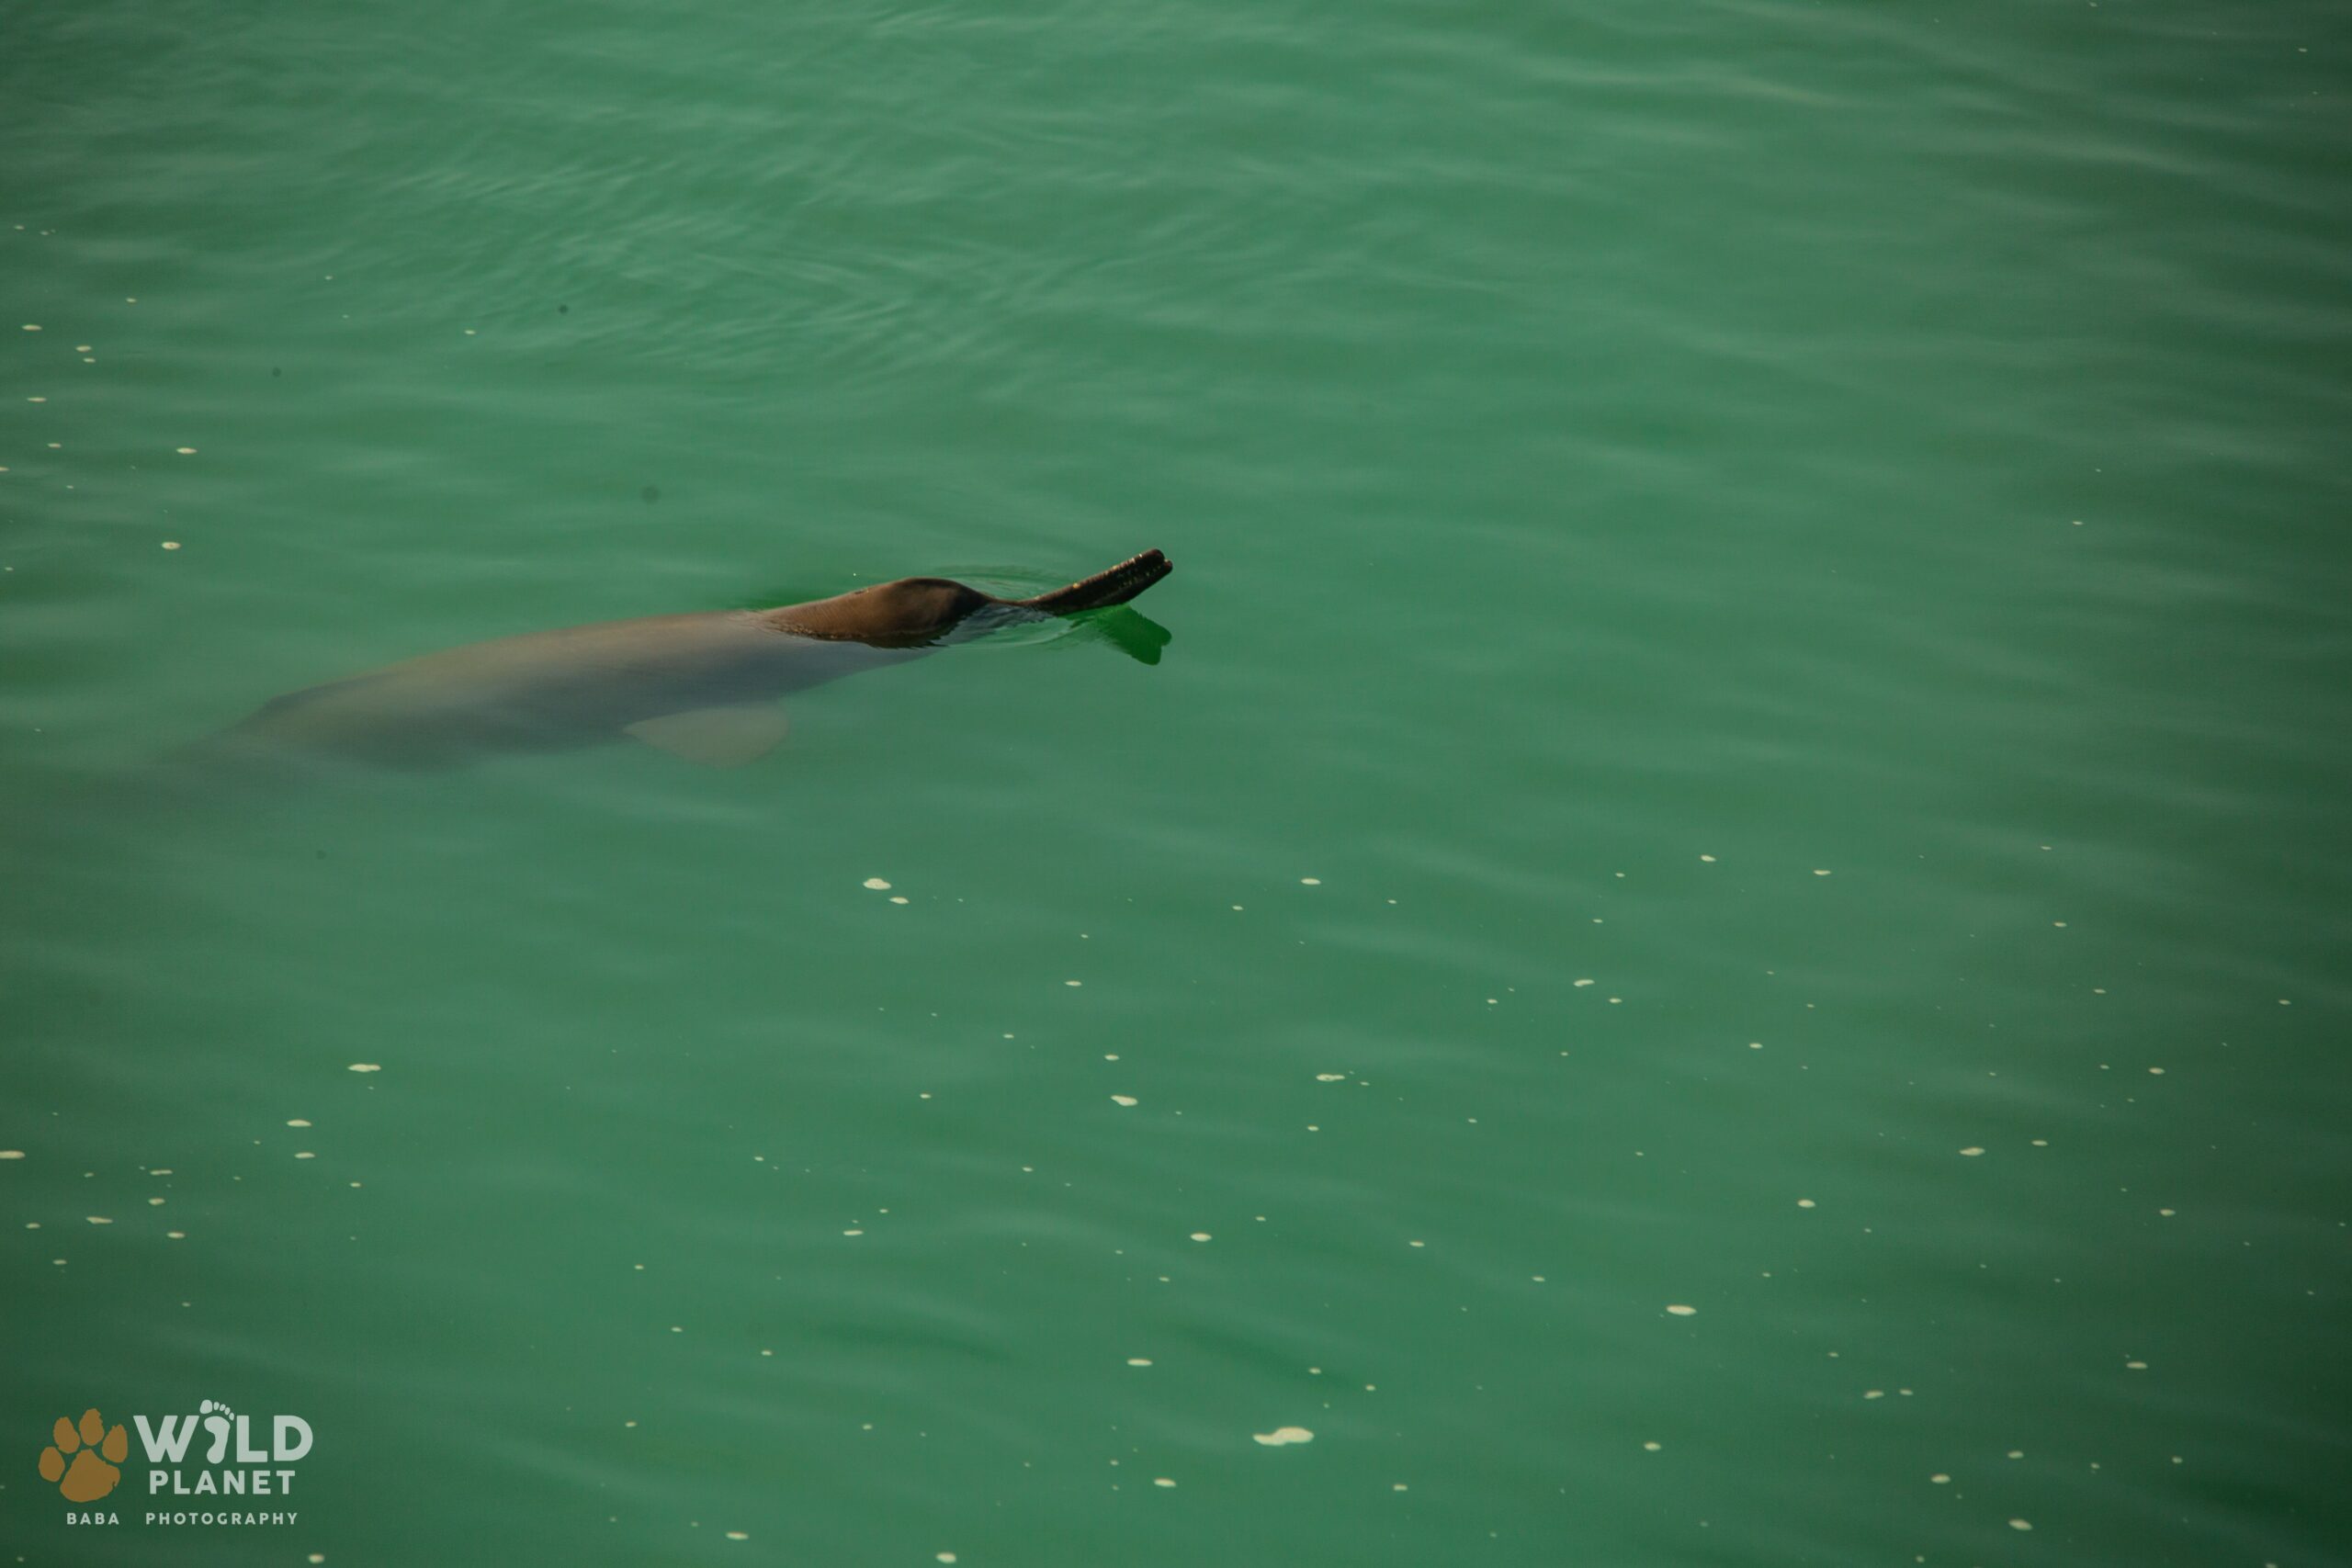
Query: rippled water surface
(1717, 937)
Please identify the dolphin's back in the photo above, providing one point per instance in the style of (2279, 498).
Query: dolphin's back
(694, 684)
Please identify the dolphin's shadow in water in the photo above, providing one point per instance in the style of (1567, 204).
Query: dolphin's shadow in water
(1132, 632)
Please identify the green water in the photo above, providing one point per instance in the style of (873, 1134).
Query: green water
(1756, 720)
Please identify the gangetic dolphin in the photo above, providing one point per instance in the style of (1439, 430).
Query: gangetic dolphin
(702, 686)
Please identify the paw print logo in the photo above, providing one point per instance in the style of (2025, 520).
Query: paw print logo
(89, 1477)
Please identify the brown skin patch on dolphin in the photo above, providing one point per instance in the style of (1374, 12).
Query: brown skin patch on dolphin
(918, 610)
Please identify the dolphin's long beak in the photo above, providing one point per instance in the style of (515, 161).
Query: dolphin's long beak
(1117, 586)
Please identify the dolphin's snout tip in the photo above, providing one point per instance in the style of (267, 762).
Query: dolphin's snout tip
(1115, 586)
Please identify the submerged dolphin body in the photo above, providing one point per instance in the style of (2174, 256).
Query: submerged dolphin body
(699, 685)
